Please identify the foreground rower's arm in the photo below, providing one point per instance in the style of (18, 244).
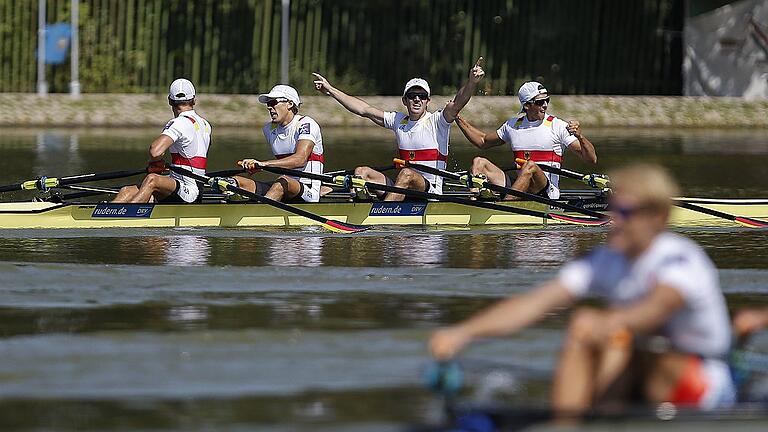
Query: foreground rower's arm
(478, 138)
(582, 146)
(647, 315)
(297, 160)
(506, 317)
(466, 91)
(351, 103)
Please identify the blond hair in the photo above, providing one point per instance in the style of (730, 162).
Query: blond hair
(652, 185)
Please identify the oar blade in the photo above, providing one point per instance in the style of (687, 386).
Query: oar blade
(576, 220)
(343, 227)
(749, 222)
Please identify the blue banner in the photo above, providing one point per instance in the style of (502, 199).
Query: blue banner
(57, 39)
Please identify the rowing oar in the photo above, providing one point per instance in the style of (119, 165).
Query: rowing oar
(483, 183)
(352, 171)
(44, 183)
(742, 220)
(330, 224)
(348, 181)
(594, 180)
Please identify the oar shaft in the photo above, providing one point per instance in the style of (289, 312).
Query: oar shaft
(51, 182)
(508, 191)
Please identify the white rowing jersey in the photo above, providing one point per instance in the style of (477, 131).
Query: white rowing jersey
(283, 140)
(701, 326)
(542, 141)
(424, 141)
(191, 135)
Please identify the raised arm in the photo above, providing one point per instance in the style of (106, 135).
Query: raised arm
(505, 317)
(582, 147)
(466, 91)
(478, 138)
(351, 103)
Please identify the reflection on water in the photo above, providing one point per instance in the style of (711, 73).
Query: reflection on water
(724, 163)
(184, 329)
(185, 250)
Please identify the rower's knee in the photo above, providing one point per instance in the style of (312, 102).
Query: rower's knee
(151, 181)
(479, 165)
(407, 176)
(582, 324)
(363, 171)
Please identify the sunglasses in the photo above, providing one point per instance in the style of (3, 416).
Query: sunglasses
(421, 96)
(626, 212)
(273, 102)
(540, 102)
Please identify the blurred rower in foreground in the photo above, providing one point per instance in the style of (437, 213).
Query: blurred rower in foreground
(534, 136)
(422, 136)
(187, 136)
(296, 143)
(665, 333)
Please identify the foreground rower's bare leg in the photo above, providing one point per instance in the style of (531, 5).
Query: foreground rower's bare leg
(154, 185)
(126, 194)
(407, 178)
(574, 385)
(530, 178)
(371, 175)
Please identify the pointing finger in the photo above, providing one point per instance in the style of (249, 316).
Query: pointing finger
(479, 61)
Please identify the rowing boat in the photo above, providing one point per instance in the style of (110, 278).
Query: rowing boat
(25, 215)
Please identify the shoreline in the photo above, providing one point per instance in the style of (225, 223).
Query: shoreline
(25, 110)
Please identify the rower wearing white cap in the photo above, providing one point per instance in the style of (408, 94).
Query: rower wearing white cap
(187, 136)
(532, 135)
(296, 143)
(422, 136)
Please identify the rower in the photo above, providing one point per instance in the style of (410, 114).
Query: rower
(421, 135)
(659, 286)
(535, 136)
(187, 136)
(296, 143)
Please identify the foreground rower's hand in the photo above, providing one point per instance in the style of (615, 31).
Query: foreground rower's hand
(748, 321)
(477, 73)
(156, 167)
(321, 84)
(446, 343)
(574, 128)
(252, 165)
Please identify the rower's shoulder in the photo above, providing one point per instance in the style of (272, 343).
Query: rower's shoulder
(308, 119)
(672, 248)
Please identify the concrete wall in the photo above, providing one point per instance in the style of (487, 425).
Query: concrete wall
(99, 110)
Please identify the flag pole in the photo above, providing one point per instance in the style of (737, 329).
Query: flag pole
(74, 84)
(42, 85)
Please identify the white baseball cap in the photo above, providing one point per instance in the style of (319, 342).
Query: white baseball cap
(181, 90)
(530, 90)
(417, 82)
(281, 91)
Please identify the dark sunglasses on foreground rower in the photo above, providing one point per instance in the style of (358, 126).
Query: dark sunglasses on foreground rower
(272, 102)
(540, 102)
(412, 96)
